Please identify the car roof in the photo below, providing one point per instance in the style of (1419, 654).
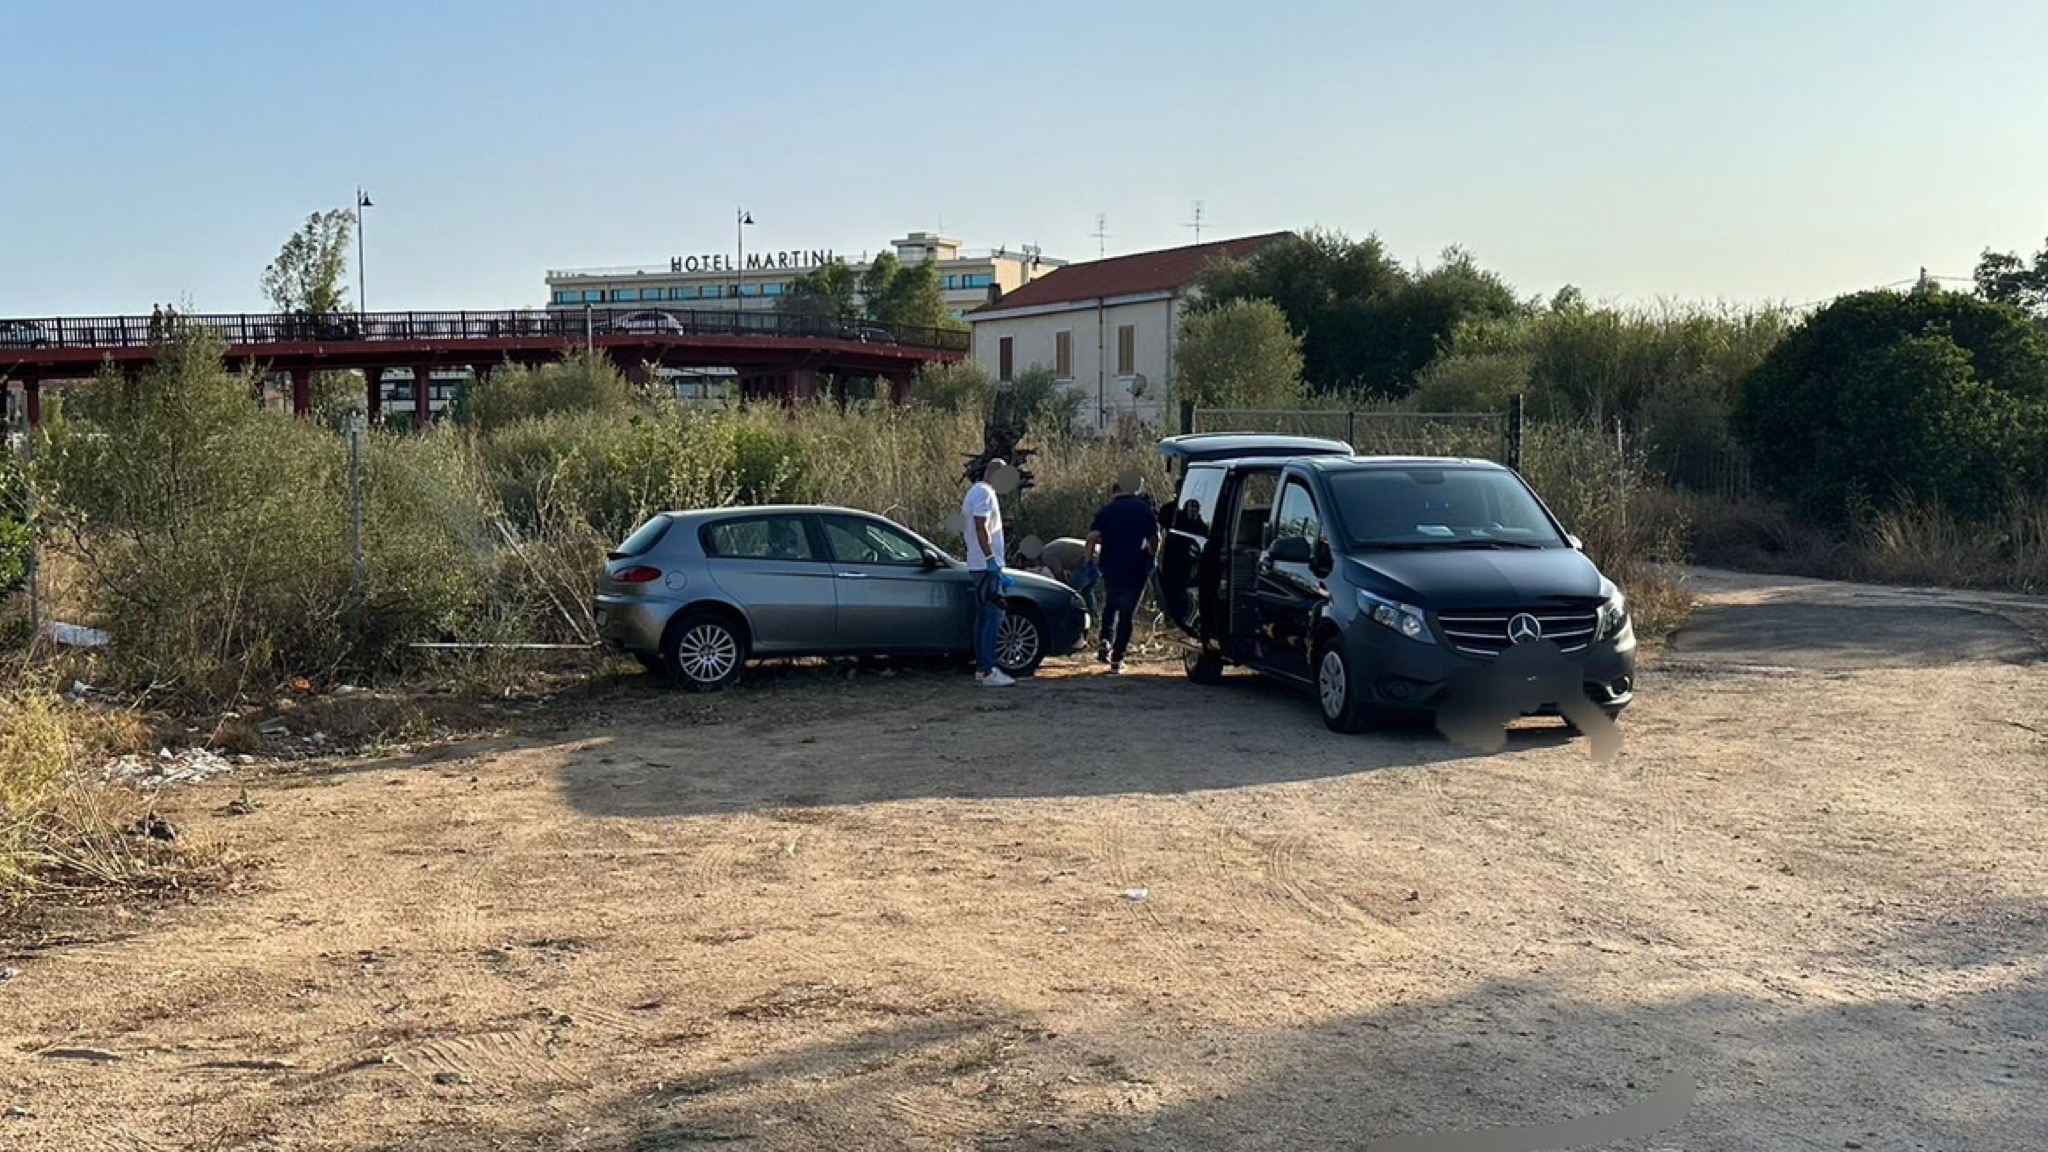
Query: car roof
(699, 514)
(1207, 447)
(1356, 463)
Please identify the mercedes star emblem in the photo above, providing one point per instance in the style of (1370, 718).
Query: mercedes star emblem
(1524, 628)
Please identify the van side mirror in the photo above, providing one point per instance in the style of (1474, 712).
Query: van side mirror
(1577, 544)
(1324, 563)
(1291, 550)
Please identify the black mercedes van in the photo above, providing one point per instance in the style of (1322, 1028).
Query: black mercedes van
(1374, 581)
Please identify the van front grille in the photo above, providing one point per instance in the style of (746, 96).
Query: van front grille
(1484, 632)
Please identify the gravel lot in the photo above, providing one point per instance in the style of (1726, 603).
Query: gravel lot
(1096, 913)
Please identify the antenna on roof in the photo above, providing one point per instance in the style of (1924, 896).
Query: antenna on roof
(1196, 223)
(1101, 234)
(1031, 252)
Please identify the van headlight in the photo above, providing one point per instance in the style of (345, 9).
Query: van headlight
(1613, 611)
(1403, 618)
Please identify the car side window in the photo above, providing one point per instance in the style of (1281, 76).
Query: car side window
(1255, 511)
(759, 538)
(855, 540)
(1198, 493)
(1297, 515)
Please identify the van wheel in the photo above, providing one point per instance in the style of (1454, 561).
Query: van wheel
(1338, 692)
(705, 652)
(1202, 667)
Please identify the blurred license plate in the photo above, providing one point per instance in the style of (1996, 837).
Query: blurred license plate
(602, 617)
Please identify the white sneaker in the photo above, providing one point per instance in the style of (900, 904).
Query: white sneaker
(996, 678)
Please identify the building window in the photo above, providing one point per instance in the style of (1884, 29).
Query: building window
(1063, 354)
(712, 291)
(1004, 360)
(1126, 349)
(689, 293)
(650, 293)
(622, 294)
(567, 297)
(776, 288)
(594, 296)
(978, 280)
(952, 283)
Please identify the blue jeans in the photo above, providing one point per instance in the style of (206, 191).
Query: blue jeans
(988, 618)
(1119, 613)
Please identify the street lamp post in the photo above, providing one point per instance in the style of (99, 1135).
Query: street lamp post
(739, 263)
(362, 294)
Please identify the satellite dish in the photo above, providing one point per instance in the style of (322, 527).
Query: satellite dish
(1137, 385)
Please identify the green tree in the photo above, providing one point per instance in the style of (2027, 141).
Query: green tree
(1046, 406)
(1933, 396)
(2006, 278)
(1367, 323)
(962, 386)
(14, 529)
(827, 290)
(1239, 354)
(310, 273)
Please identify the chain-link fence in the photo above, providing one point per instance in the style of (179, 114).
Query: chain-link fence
(1484, 435)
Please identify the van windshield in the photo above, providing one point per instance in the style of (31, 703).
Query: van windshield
(1450, 507)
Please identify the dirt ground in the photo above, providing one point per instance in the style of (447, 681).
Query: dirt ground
(905, 913)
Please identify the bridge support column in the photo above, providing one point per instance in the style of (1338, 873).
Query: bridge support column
(32, 396)
(800, 384)
(422, 396)
(899, 386)
(373, 396)
(302, 391)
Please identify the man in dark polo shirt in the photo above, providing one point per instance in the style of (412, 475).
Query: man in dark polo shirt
(1122, 541)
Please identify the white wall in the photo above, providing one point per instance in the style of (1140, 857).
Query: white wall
(1106, 394)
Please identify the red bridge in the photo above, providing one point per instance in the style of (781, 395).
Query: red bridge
(775, 354)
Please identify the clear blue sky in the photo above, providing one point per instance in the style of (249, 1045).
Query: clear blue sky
(1734, 149)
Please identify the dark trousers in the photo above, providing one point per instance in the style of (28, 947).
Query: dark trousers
(1119, 613)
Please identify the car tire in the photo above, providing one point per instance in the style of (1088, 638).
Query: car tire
(1020, 643)
(1337, 692)
(1202, 667)
(704, 652)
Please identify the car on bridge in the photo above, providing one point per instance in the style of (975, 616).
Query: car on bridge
(1381, 584)
(647, 324)
(695, 595)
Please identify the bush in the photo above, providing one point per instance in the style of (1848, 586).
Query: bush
(1471, 382)
(580, 382)
(59, 827)
(1046, 407)
(962, 386)
(15, 538)
(1881, 398)
(1238, 354)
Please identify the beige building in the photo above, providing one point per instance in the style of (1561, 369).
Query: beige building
(757, 280)
(1105, 327)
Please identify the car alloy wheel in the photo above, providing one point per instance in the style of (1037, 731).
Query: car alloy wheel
(707, 653)
(1018, 643)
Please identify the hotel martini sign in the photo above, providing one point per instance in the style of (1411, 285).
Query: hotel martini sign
(794, 259)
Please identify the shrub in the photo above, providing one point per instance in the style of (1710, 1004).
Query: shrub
(1879, 398)
(1471, 382)
(59, 827)
(580, 382)
(15, 538)
(962, 386)
(1238, 354)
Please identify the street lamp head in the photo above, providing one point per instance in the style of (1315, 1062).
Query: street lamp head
(363, 199)
(746, 217)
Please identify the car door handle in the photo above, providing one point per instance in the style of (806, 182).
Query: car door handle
(853, 575)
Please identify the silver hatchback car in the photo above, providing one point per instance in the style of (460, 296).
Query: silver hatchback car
(698, 594)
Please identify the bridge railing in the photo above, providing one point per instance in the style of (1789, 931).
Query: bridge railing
(247, 328)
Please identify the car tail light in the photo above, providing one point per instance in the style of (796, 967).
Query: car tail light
(637, 574)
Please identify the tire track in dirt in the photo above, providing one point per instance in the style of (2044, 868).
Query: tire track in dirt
(1165, 942)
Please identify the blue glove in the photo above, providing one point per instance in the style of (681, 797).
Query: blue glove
(1089, 575)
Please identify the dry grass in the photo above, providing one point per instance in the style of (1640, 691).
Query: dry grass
(61, 828)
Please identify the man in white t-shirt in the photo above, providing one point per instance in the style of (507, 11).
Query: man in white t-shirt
(983, 514)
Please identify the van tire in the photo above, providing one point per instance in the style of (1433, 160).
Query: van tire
(1337, 692)
(1202, 667)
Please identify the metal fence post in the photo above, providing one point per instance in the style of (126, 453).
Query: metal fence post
(1512, 434)
(1351, 427)
(358, 576)
(35, 541)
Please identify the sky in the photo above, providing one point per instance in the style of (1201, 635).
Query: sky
(1644, 150)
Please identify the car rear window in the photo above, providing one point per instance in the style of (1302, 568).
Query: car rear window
(643, 539)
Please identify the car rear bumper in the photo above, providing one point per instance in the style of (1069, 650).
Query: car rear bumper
(1405, 676)
(628, 624)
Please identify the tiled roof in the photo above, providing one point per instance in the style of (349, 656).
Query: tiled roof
(1164, 270)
